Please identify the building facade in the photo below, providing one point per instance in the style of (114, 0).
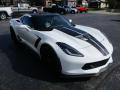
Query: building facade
(39, 2)
(11, 2)
(72, 3)
(5, 2)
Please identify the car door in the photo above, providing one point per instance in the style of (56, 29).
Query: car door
(15, 8)
(25, 8)
(27, 33)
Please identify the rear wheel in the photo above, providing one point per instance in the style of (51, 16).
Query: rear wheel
(86, 11)
(80, 11)
(3, 16)
(50, 59)
(34, 11)
(13, 36)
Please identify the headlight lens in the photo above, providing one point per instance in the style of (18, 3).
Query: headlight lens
(69, 50)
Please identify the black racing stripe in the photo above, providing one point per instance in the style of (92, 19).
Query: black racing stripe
(68, 31)
(96, 44)
(100, 46)
(37, 42)
(89, 38)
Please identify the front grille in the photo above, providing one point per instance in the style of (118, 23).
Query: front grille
(94, 64)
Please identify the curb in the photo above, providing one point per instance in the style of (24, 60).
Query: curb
(104, 12)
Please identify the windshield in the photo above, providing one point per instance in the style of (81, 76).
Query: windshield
(60, 21)
(45, 22)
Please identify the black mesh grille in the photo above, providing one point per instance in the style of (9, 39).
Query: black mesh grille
(94, 64)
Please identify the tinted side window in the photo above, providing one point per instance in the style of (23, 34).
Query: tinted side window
(38, 23)
(55, 7)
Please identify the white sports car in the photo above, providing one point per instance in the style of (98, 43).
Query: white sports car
(75, 49)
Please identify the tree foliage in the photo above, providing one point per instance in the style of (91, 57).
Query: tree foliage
(79, 1)
(112, 3)
(36, 2)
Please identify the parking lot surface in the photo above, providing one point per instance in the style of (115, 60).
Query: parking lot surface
(20, 68)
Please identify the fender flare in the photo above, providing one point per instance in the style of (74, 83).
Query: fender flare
(4, 12)
(59, 62)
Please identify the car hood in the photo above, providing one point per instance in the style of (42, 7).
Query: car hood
(70, 34)
(92, 31)
(85, 39)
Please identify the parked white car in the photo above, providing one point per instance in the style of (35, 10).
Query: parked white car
(24, 7)
(5, 12)
(69, 48)
(70, 9)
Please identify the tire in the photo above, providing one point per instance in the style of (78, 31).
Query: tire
(3, 16)
(62, 12)
(34, 11)
(86, 11)
(13, 36)
(73, 12)
(80, 11)
(50, 59)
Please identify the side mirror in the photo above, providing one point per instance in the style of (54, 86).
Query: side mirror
(70, 20)
(47, 25)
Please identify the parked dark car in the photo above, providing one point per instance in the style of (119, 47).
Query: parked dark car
(55, 9)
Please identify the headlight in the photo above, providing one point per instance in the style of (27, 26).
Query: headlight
(69, 50)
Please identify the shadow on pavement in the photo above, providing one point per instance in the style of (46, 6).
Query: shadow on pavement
(115, 20)
(24, 61)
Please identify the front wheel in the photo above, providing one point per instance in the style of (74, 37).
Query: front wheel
(50, 59)
(3, 16)
(73, 12)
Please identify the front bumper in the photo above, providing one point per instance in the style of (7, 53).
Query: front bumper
(87, 75)
(75, 68)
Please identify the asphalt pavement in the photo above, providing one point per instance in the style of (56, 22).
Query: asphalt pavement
(20, 68)
(104, 12)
